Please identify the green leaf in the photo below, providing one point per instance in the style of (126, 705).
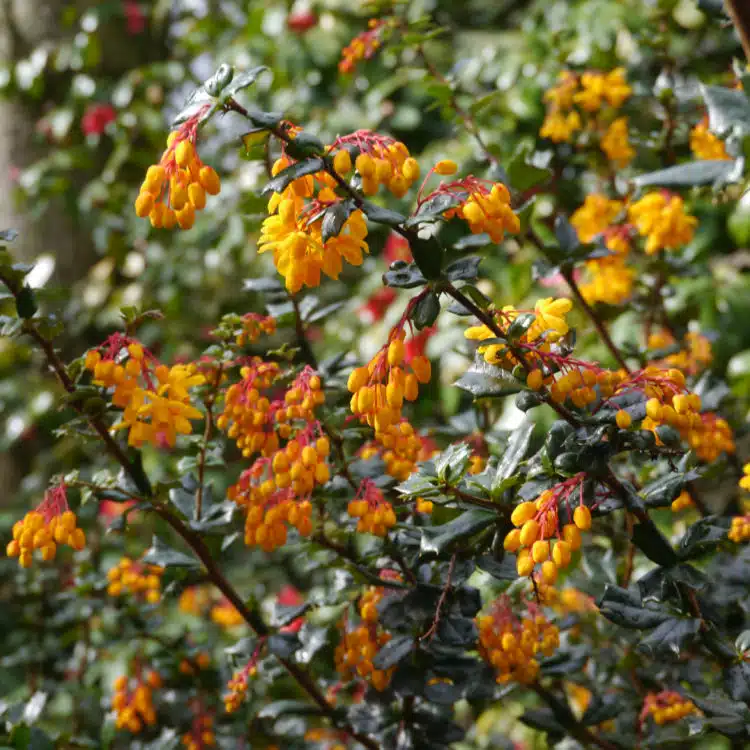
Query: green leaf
(434, 208)
(625, 609)
(426, 310)
(285, 178)
(334, 218)
(483, 380)
(243, 80)
(702, 536)
(436, 539)
(566, 235)
(520, 325)
(267, 120)
(661, 493)
(381, 215)
(219, 80)
(283, 645)
(464, 269)
(396, 650)
(452, 463)
(304, 146)
(286, 708)
(704, 172)
(670, 638)
(513, 455)
(653, 544)
(403, 276)
(727, 109)
(428, 256)
(164, 556)
(522, 174)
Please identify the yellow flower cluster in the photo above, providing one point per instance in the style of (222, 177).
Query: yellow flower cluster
(362, 47)
(511, 646)
(226, 614)
(195, 600)
(374, 513)
(44, 528)
(682, 502)
(253, 325)
(694, 356)
(537, 523)
(666, 706)
(201, 734)
(400, 447)
(705, 145)
(143, 581)
(176, 188)
(549, 325)
(739, 531)
(488, 211)
(295, 237)
(359, 646)
(134, 707)
(597, 96)
(423, 506)
(379, 388)
(595, 215)
(661, 218)
(616, 143)
(155, 412)
(381, 161)
(611, 281)
(745, 479)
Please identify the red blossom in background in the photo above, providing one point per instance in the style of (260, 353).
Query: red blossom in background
(135, 18)
(397, 248)
(375, 307)
(96, 118)
(416, 345)
(109, 510)
(290, 597)
(301, 20)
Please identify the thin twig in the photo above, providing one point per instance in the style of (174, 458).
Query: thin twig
(441, 601)
(209, 404)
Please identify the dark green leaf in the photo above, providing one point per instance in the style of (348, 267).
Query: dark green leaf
(428, 255)
(625, 609)
(26, 305)
(288, 707)
(457, 631)
(163, 555)
(219, 80)
(704, 172)
(396, 650)
(381, 215)
(519, 326)
(435, 207)
(464, 269)
(285, 178)
(426, 310)
(406, 277)
(670, 637)
(703, 535)
(334, 218)
(727, 109)
(542, 719)
(737, 681)
(283, 645)
(436, 539)
(452, 463)
(653, 544)
(516, 449)
(243, 80)
(566, 235)
(522, 174)
(484, 380)
(504, 570)
(305, 145)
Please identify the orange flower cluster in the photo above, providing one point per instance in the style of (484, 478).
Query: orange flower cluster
(705, 145)
(155, 398)
(661, 218)
(381, 160)
(238, 684)
(253, 325)
(133, 701)
(226, 614)
(143, 581)
(201, 734)
(694, 355)
(739, 531)
(537, 522)
(400, 447)
(43, 529)
(359, 646)
(176, 187)
(275, 491)
(375, 513)
(666, 706)
(379, 388)
(682, 502)
(362, 47)
(511, 645)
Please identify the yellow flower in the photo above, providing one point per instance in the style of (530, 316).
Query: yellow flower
(661, 218)
(559, 127)
(611, 281)
(594, 216)
(299, 251)
(550, 319)
(616, 145)
(561, 96)
(705, 145)
(490, 212)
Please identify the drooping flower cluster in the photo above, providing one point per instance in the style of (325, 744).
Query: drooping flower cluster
(130, 577)
(359, 645)
(661, 218)
(293, 231)
(43, 529)
(549, 325)
(374, 513)
(400, 447)
(133, 701)
(590, 103)
(694, 355)
(380, 160)
(538, 538)
(238, 684)
(511, 645)
(705, 145)
(362, 47)
(201, 734)
(666, 706)
(275, 491)
(176, 187)
(484, 205)
(155, 398)
(253, 325)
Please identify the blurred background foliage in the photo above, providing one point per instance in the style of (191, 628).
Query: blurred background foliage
(88, 90)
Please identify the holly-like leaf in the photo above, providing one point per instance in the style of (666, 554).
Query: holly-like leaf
(484, 380)
(727, 109)
(452, 463)
(396, 650)
(293, 172)
(161, 554)
(242, 80)
(464, 269)
(406, 276)
(334, 218)
(704, 172)
(566, 235)
(435, 539)
(381, 215)
(625, 609)
(516, 449)
(670, 637)
(702, 536)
